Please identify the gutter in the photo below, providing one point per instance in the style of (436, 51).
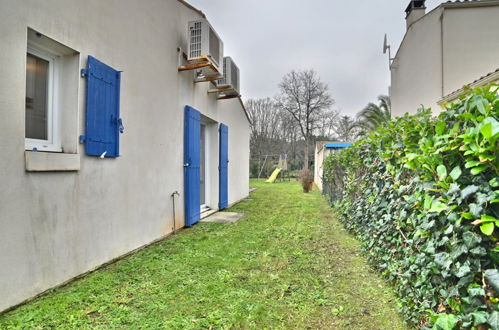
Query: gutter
(442, 62)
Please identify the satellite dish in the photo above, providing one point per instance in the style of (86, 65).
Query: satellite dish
(385, 45)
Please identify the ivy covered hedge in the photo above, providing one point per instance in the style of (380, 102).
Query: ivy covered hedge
(422, 194)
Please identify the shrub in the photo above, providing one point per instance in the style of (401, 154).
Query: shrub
(306, 180)
(421, 193)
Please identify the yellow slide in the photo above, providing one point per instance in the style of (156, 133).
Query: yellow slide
(273, 176)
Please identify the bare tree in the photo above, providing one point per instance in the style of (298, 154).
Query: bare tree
(327, 130)
(306, 98)
(265, 126)
(345, 129)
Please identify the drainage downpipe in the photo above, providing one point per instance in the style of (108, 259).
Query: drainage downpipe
(173, 200)
(442, 57)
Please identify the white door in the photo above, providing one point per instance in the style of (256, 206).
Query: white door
(203, 166)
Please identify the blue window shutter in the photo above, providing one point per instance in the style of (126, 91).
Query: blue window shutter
(223, 169)
(192, 161)
(103, 123)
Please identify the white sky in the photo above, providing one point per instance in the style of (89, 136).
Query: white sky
(341, 39)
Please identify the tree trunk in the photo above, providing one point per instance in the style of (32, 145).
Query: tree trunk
(305, 156)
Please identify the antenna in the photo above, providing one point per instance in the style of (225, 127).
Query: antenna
(386, 47)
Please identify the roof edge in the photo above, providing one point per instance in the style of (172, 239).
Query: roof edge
(245, 111)
(465, 4)
(188, 5)
(337, 145)
(321, 145)
(487, 79)
(431, 12)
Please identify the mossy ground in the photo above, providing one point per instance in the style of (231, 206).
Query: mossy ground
(287, 264)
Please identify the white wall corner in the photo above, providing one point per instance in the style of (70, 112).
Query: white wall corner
(51, 161)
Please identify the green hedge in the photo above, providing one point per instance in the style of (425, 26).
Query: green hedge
(421, 193)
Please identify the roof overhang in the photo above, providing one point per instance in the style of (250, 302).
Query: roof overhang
(485, 80)
(244, 109)
(337, 145)
(188, 5)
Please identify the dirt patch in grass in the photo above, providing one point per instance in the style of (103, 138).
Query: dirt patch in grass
(287, 264)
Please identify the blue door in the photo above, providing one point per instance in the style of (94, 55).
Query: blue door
(192, 151)
(223, 197)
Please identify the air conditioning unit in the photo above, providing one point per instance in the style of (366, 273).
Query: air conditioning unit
(231, 77)
(204, 43)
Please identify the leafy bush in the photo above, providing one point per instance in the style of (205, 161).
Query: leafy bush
(422, 195)
(306, 180)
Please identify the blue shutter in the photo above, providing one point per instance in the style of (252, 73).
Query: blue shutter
(192, 159)
(223, 198)
(103, 123)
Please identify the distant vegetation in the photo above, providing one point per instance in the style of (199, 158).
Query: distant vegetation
(299, 115)
(293, 120)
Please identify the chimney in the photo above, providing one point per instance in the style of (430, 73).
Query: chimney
(414, 11)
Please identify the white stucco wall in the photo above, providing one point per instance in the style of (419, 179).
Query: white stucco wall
(318, 160)
(239, 139)
(320, 155)
(56, 225)
(451, 46)
(416, 70)
(471, 45)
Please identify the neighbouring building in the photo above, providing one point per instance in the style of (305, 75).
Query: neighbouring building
(322, 150)
(109, 108)
(442, 50)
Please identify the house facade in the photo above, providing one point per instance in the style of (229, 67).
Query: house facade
(99, 130)
(442, 50)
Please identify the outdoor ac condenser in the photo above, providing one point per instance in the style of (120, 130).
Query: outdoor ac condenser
(231, 75)
(204, 42)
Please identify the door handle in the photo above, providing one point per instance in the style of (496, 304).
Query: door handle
(187, 165)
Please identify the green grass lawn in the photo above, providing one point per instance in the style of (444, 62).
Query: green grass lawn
(287, 264)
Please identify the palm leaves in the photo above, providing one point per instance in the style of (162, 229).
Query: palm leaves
(374, 115)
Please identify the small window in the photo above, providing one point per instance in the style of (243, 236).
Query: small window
(42, 114)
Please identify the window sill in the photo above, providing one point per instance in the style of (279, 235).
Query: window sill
(38, 161)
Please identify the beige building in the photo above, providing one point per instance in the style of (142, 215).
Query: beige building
(442, 50)
(322, 150)
(76, 193)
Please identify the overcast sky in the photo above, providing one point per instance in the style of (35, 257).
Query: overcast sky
(341, 39)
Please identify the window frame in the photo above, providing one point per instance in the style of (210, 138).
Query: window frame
(53, 142)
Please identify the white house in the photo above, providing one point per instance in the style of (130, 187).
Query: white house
(442, 50)
(103, 120)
